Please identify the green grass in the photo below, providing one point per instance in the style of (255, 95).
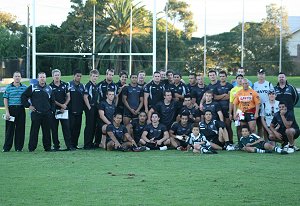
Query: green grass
(148, 178)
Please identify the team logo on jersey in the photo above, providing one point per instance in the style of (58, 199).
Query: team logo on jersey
(245, 98)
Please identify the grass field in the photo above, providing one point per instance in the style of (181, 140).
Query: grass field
(149, 178)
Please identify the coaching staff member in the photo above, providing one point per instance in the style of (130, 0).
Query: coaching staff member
(42, 106)
(14, 107)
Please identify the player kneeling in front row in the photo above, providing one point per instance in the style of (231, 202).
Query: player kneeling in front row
(254, 144)
(198, 142)
(118, 137)
(215, 132)
(155, 135)
(180, 132)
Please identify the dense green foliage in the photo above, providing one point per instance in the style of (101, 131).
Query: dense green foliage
(113, 32)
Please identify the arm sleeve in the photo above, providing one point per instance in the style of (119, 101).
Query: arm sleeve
(26, 95)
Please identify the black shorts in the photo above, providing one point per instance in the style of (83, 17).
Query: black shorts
(260, 145)
(284, 136)
(210, 135)
(128, 114)
(249, 117)
(225, 113)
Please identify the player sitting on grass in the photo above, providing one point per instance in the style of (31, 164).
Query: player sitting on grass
(118, 137)
(215, 132)
(254, 144)
(198, 142)
(180, 131)
(155, 135)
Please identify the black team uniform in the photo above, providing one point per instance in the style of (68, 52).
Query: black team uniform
(60, 95)
(75, 106)
(43, 101)
(90, 115)
(167, 113)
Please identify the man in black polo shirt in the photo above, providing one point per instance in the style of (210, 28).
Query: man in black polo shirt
(91, 112)
(221, 96)
(118, 137)
(178, 89)
(153, 92)
(192, 82)
(214, 82)
(167, 109)
(42, 106)
(62, 98)
(14, 130)
(198, 91)
(133, 98)
(286, 92)
(136, 127)
(285, 127)
(75, 106)
(180, 131)
(107, 84)
(189, 108)
(155, 135)
(121, 84)
(106, 111)
(215, 132)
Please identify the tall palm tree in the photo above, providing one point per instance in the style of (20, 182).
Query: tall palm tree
(114, 30)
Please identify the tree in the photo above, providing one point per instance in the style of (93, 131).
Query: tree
(179, 11)
(114, 30)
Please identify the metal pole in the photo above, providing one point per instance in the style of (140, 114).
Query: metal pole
(28, 45)
(167, 52)
(94, 35)
(280, 44)
(243, 24)
(130, 42)
(204, 57)
(154, 37)
(33, 42)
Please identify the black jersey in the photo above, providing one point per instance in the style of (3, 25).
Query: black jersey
(178, 129)
(198, 93)
(76, 103)
(59, 92)
(180, 89)
(167, 113)
(191, 111)
(287, 94)
(155, 91)
(214, 107)
(102, 88)
(155, 133)
(137, 128)
(91, 90)
(223, 89)
(212, 87)
(119, 132)
(109, 109)
(41, 98)
(213, 125)
(289, 115)
(133, 95)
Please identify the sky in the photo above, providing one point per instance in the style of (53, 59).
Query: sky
(221, 15)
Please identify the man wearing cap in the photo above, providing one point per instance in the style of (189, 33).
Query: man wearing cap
(262, 87)
(247, 100)
(286, 92)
